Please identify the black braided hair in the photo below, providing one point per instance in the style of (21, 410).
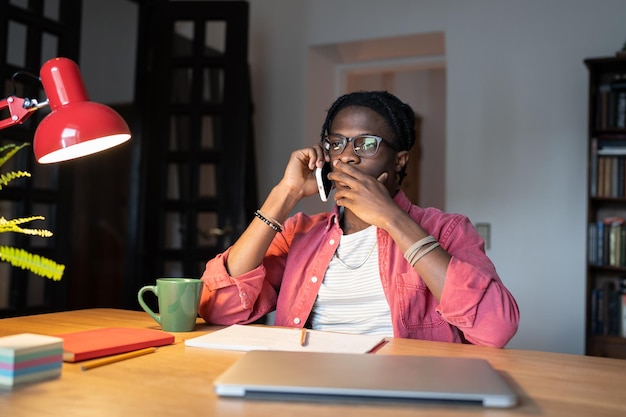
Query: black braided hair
(398, 115)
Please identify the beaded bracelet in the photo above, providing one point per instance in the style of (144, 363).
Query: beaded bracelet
(273, 220)
(274, 225)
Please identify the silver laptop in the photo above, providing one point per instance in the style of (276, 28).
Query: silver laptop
(285, 375)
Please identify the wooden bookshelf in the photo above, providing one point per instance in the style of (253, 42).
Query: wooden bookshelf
(606, 208)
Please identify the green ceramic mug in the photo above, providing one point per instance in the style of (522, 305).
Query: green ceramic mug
(178, 300)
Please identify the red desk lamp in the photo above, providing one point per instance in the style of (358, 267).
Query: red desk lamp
(75, 126)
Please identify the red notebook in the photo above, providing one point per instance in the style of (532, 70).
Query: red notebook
(90, 344)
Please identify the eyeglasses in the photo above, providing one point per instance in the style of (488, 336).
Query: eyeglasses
(365, 146)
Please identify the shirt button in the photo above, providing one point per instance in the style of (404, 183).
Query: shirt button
(296, 321)
(313, 280)
(331, 242)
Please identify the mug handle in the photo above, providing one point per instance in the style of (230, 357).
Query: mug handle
(142, 303)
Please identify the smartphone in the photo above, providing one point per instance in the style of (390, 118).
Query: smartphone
(324, 185)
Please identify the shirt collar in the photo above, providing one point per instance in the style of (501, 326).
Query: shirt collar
(333, 218)
(403, 201)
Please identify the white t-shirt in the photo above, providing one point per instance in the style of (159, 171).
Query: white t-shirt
(353, 300)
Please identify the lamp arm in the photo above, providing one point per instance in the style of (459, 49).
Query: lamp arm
(20, 109)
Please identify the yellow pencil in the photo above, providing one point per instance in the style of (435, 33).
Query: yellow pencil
(117, 358)
(303, 337)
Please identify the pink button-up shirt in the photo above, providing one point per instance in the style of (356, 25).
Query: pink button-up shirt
(474, 304)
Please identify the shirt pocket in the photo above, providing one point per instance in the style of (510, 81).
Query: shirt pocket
(418, 307)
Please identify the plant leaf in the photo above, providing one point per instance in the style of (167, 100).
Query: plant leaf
(5, 179)
(32, 262)
(12, 226)
(12, 150)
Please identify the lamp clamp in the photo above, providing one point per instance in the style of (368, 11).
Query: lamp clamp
(20, 109)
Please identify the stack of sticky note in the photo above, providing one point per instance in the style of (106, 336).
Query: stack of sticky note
(28, 357)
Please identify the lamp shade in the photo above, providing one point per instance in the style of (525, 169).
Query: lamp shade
(75, 126)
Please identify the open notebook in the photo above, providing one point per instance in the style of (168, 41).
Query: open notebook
(249, 337)
(284, 375)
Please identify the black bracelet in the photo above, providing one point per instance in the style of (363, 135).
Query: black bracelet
(268, 222)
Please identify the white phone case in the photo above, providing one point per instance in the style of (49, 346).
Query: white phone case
(320, 184)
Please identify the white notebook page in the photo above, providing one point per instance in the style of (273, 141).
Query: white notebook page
(248, 337)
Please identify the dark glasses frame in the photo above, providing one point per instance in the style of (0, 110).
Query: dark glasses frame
(326, 144)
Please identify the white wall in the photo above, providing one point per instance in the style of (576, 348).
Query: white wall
(516, 120)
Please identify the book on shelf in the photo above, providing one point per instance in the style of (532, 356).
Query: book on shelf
(609, 177)
(610, 102)
(607, 242)
(592, 243)
(622, 308)
(107, 341)
(618, 88)
(602, 105)
(593, 168)
(607, 166)
(608, 306)
(612, 148)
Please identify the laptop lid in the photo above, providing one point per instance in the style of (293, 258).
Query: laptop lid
(287, 375)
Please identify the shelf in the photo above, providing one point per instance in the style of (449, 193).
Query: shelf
(608, 268)
(608, 199)
(606, 64)
(609, 134)
(607, 346)
(606, 284)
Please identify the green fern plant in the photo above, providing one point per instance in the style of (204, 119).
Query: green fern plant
(20, 258)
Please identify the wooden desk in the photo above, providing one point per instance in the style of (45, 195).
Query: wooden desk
(177, 380)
